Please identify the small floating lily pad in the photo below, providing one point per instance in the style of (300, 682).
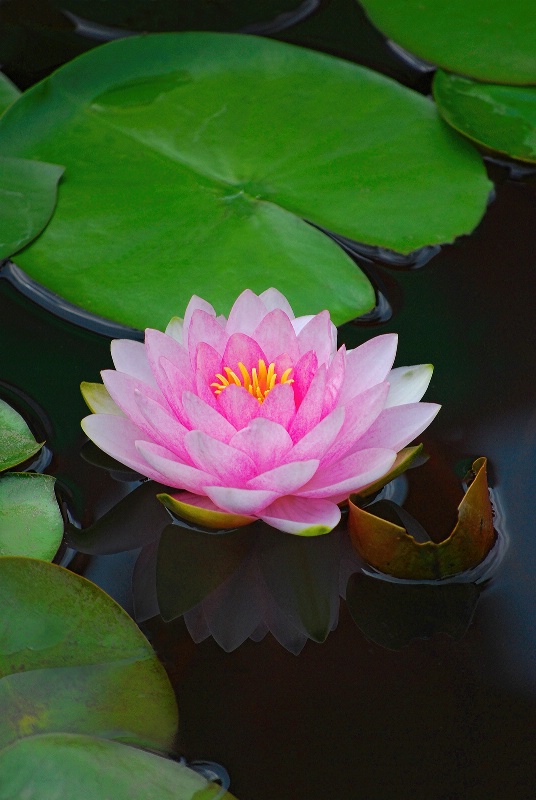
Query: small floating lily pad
(30, 519)
(72, 660)
(492, 40)
(501, 118)
(67, 765)
(391, 549)
(195, 161)
(17, 443)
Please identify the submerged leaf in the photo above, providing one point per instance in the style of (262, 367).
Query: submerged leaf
(391, 549)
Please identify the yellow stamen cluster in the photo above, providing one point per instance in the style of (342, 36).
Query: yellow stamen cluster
(258, 383)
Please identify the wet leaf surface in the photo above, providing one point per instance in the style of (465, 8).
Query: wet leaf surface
(17, 442)
(30, 519)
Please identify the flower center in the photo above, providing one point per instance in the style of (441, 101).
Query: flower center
(258, 382)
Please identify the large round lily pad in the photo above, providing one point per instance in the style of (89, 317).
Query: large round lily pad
(53, 766)
(72, 660)
(193, 159)
(492, 40)
(502, 118)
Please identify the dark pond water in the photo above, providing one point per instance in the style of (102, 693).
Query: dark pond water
(449, 716)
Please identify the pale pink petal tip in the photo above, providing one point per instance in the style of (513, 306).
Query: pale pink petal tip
(302, 516)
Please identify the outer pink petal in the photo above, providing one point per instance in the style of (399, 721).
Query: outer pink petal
(174, 472)
(230, 466)
(264, 441)
(195, 304)
(174, 382)
(317, 441)
(274, 299)
(246, 313)
(310, 410)
(302, 375)
(159, 346)
(300, 322)
(279, 405)
(320, 335)
(286, 478)
(350, 474)
(242, 348)
(240, 501)
(204, 328)
(117, 436)
(131, 357)
(398, 426)
(208, 363)
(275, 335)
(162, 426)
(334, 380)
(238, 406)
(360, 414)
(200, 416)
(121, 388)
(367, 365)
(302, 516)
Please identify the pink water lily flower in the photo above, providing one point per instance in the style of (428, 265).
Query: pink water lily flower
(257, 415)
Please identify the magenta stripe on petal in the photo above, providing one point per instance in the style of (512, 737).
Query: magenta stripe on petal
(238, 406)
(302, 375)
(315, 443)
(200, 416)
(303, 516)
(310, 410)
(245, 349)
(121, 388)
(117, 436)
(163, 427)
(195, 304)
(174, 472)
(359, 416)
(276, 335)
(279, 405)
(320, 335)
(159, 346)
(240, 501)
(205, 328)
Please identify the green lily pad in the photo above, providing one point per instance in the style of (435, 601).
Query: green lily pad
(17, 442)
(491, 40)
(8, 92)
(191, 564)
(193, 160)
(207, 517)
(502, 118)
(391, 549)
(30, 519)
(72, 660)
(27, 200)
(67, 765)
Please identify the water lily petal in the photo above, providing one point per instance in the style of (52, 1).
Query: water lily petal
(408, 384)
(367, 365)
(350, 473)
(359, 415)
(240, 501)
(275, 335)
(264, 441)
(334, 380)
(162, 426)
(279, 405)
(98, 399)
(194, 304)
(247, 312)
(117, 436)
(159, 346)
(173, 383)
(310, 410)
(398, 426)
(242, 348)
(300, 322)
(286, 478)
(122, 387)
(130, 356)
(200, 416)
(172, 471)
(320, 335)
(232, 467)
(205, 328)
(317, 441)
(302, 375)
(201, 510)
(238, 406)
(305, 517)
(273, 299)
(174, 328)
